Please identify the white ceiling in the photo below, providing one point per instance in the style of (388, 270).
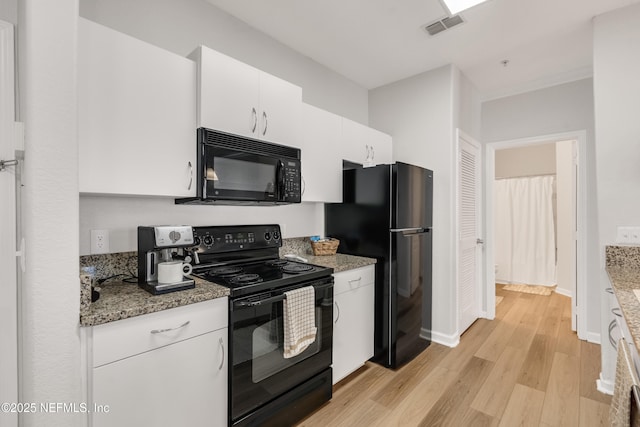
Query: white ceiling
(375, 42)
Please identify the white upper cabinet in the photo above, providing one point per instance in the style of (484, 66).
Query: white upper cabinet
(136, 116)
(364, 145)
(237, 98)
(321, 162)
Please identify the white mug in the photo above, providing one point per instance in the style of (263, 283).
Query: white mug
(173, 271)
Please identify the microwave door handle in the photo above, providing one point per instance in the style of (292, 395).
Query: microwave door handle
(281, 181)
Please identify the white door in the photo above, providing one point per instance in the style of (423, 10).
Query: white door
(8, 287)
(469, 230)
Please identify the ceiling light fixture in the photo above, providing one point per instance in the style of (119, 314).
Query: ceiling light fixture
(457, 6)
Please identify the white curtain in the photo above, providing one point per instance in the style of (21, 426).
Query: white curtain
(524, 231)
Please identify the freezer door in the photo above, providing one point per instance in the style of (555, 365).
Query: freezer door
(411, 290)
(412, 197)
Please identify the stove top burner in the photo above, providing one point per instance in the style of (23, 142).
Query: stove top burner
(277, 263)
(225, 271)
(245, 279)
(296, 268)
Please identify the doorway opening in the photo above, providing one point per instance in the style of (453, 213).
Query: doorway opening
(570, 213)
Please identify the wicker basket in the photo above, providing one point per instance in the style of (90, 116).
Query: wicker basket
(328, 247)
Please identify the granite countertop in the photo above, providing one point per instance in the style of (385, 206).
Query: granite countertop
(623, 268)
(339, 262)
(121, 300)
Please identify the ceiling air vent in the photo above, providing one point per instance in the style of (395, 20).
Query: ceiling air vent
(443, 24)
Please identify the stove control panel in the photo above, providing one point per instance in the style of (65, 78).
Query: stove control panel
(219, 239)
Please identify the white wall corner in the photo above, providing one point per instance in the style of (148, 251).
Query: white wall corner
(448, 340)
(565, 292)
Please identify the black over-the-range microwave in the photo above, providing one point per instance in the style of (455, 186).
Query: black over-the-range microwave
(236, 170)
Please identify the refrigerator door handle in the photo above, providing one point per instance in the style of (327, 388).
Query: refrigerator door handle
(416, 230)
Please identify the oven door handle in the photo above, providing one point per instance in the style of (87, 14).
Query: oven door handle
(244, 304)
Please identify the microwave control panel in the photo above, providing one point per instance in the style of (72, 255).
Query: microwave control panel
(292, 177)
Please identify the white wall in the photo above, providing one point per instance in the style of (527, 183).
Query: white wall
(526, 161)
(418, 112)
(467, 105)
(9, 11)
(557, 109)
(617, 106)
(180, 26)
(124, 214)
(50, 286)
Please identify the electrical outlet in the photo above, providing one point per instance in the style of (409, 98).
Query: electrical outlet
(99, 241)
(634, 235)
(623, 235)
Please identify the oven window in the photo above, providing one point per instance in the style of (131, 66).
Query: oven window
(268, 346)
(241, 175)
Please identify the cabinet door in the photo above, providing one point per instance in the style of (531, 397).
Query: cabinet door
(379, 145)
(228, 95)
(364, 145)
(352, 145)
(321, 162)
(136, 116)
(280, 111)
(352, 330)
(180, 384)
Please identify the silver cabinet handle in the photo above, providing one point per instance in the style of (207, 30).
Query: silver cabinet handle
(373, 153)
(190, 176)
(612, 341)
(338, 308)
(266, 123)
(304, 185)
(609, 290)
(479, 241)
(254, 113)
(366, 147)
(221, 342)
(159, 331)
(616, 311)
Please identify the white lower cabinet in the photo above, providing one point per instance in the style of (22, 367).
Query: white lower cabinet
(181, 382)
(353, 320)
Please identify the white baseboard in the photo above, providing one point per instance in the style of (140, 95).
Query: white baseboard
(437, 337)
(594, 337)
(604, 386)
(564, 292)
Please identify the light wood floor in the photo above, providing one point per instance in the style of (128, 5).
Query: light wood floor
(525, 368)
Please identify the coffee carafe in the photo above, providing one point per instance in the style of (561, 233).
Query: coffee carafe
(161, 267)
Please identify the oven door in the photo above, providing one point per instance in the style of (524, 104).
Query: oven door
(237, 175)
(258, 371)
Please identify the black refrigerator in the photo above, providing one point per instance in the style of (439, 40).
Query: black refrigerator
(387, 214)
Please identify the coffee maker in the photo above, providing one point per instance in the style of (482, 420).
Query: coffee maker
(163, 244)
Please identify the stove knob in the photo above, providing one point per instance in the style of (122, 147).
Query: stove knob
(196, 241)
(208, 240)
(276, 235)
(267, 236)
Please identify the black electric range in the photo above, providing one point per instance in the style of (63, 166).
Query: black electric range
(265, 388)
(245, 278)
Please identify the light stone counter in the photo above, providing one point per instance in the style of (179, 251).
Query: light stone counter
(120, 300)
(623, 268)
